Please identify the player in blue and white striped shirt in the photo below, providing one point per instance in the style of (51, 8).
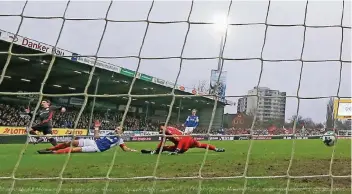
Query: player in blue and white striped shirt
(191, 123)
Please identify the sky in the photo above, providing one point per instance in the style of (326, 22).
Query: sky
(319, 79)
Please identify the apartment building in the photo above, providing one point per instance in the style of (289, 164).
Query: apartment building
(272, 104)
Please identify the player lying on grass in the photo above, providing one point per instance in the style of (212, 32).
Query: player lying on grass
(99, 144)
(181, 143)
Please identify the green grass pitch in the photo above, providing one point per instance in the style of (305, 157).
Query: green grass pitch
(268, 158)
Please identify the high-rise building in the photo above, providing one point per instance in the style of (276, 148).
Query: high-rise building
(241, 105)
(272, 104)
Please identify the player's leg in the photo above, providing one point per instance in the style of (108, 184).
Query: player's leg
(81, 145)
(169, 148)
(60, 146)
(165, 149)
(198, 144)
(45, 128)
(72, 150)
(188, 130)
(183, 145)
(34, 130)
(47, 131)
(75, 143)
(85, 145)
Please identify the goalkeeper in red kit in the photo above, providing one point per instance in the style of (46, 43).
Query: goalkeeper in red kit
(181, 143)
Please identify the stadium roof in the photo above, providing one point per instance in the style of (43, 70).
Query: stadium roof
(70, 74)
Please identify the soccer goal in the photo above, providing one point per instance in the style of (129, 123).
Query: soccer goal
(252, 79)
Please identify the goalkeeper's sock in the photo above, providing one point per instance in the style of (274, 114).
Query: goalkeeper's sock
(204, 145)
(59, 146)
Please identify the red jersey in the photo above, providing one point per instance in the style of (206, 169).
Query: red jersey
(172, 131)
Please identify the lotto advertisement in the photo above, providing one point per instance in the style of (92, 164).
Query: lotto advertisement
(56, 131)
(17, 134)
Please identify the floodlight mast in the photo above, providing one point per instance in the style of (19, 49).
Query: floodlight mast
(220, 25)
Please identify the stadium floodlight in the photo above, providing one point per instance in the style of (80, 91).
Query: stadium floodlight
(221, 23)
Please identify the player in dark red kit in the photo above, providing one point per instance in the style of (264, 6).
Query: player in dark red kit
(181, 143)
(189, 142)
(45, 116)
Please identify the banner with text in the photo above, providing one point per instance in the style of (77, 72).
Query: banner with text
(92, 61)
(56, 131)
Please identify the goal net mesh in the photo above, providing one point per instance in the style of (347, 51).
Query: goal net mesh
(198, 177)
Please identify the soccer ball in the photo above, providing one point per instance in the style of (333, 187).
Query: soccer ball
(329, 138)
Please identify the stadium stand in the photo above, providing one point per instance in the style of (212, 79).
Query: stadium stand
(12, 115)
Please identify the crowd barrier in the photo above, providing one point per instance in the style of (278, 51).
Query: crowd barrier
(16, 135)
(18, 139)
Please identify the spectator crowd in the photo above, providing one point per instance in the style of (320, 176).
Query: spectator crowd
(14, 115)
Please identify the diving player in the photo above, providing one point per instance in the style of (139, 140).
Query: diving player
(99, 144)
(181, 143)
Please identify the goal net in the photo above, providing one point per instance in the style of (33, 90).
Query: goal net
(139, 63)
